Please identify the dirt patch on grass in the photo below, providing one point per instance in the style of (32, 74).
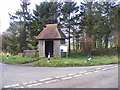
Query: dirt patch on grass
(33, 63)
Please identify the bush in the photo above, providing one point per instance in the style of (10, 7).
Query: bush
(103, 51)
(87, 46)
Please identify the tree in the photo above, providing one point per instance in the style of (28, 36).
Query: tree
(107, 9)
(116, 24)
(97, 22)
(22, 18)
(10, 39)
(87, 46)
(5, 42)
(45, 13)
(90, 25)
(67, 10)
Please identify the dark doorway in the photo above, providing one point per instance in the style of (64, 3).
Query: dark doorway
(49, 48)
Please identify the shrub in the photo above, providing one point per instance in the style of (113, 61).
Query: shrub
(87, 46)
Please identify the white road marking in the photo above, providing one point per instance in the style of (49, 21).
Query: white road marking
(61, 76)
(34, 84)
(11, 86)
(20, 87)
(83, 72)
(25, 83)
(52, 81)
(77, 75)
(66, 78)
(95, 71)
(31, 85)
(72, 74)
(55, 80)
(45, 79)
(16, 85)
(7, 86)
(105, 69)
(88, 73)
(48, 82)
(29, 82)
(99, 68)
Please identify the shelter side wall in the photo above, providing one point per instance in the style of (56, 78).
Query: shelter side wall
(41, 47)
(57, 48)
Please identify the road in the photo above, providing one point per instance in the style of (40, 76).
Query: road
(14, 76)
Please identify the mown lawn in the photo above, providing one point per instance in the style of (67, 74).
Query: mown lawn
(17, 59)
(76, 61)
(72, 61)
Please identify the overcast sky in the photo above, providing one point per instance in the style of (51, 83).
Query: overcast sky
(10, 6)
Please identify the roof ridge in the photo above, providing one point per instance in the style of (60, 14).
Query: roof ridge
(51, 25)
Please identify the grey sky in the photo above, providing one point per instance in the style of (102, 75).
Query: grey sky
(10, 6)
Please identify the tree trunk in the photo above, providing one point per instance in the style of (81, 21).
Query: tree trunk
(106, 41)
(69, 49)
(73, 42)
(95, 44)
(77, 44)
(100, 43)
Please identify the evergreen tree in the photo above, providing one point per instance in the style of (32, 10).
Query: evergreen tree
(67, 10)
(22, 18)
(45, 13)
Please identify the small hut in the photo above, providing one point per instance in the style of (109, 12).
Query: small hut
(50, 40)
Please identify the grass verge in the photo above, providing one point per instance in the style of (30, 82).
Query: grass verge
(17, 59)
(76, 61)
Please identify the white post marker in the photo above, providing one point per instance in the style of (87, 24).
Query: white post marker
(49, 57)
(89, 58)
(7, 55)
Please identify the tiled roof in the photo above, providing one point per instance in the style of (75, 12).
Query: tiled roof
(51, 32)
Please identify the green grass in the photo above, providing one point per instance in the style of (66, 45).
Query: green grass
(17, 59)
(72, 61)
(76, 61)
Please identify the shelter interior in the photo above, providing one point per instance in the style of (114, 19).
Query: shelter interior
(49, 48)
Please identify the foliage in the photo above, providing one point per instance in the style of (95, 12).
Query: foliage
(67, 19)
(96, 20)
(102, 51)
(44, 13)
(87, 46)
(10, 39)
(19, 26)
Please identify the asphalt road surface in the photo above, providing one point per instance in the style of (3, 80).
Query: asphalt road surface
(14, 76)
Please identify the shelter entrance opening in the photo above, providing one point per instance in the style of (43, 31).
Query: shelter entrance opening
(48, 48)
